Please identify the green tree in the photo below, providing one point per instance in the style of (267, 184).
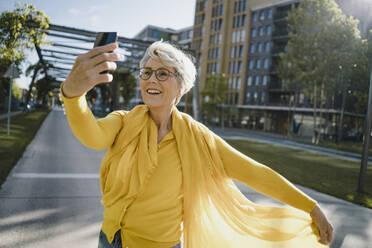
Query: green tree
(214, 95)
(44, 87)
(16, 91)
(322, 39)
(20, 29)
(35, 69)
(128, 86)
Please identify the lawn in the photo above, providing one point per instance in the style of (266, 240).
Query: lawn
(325, 174)
(23, 130)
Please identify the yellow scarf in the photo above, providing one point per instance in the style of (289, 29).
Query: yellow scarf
(216, 213)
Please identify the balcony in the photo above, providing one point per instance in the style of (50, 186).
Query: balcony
(281, 34)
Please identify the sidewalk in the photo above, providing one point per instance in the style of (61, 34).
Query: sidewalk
(52, 196)
(282, 140)
(4, 116)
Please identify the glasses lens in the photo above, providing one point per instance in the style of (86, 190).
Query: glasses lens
(162, 74)
(145, 73)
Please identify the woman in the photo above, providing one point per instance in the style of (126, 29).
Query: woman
(166, 175)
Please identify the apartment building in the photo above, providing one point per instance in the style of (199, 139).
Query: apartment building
(242, 39)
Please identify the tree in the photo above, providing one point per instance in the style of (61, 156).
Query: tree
(35, 69)
(322, 38)
(213, 95)
(128, 88)
(44, 87)
(20, 29)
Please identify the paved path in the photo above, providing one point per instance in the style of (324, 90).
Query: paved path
(52, 197)
(276, 139)
(4, 116)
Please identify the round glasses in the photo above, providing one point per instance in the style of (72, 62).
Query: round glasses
(161, 74)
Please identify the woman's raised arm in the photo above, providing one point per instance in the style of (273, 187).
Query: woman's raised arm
(85, 74)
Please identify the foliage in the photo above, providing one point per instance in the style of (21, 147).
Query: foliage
(20, 29)
(322, 40)
(16, 91)
(213, 94)
(127, 86)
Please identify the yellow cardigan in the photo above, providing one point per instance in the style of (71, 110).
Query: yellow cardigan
(216, 214)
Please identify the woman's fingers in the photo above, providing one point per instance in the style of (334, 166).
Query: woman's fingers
(104, 57)
(104, 66)
(101, 49)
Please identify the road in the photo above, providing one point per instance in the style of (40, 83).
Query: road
(52, 197)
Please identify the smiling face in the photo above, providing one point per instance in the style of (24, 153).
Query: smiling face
(157, 93)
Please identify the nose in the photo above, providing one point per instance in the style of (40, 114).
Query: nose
(153, 76)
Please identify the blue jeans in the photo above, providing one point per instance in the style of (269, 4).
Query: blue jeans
(116, 243)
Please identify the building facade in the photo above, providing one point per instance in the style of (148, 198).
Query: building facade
(242, 39)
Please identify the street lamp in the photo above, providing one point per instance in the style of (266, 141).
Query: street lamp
(367, 133)
(340, 125)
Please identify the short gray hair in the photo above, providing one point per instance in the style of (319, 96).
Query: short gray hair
(171, 56)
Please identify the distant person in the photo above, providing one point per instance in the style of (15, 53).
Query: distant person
(166, 178)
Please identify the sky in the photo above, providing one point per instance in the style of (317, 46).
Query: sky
(127, 17)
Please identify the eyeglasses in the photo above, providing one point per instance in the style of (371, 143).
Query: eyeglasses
(161, 74)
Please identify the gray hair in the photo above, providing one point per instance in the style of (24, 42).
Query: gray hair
(171, 56)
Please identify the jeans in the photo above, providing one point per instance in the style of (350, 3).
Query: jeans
(116, 243)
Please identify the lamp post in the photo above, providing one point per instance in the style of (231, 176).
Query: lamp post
(340, 125)
(367, 133)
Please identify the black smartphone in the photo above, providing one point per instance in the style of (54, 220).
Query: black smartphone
(104, 38)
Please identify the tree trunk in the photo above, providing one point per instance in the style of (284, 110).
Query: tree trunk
(314, 113)
(28, 96)
(319, 136)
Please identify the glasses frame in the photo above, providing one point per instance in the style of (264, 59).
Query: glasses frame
(175, 74)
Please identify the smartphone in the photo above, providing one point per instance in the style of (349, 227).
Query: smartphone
(104, 38)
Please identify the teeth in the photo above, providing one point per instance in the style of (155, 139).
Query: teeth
(153, 92)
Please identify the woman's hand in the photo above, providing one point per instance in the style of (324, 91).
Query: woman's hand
(325, 228)
(85, 73)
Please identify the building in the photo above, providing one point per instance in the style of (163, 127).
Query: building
(242, 39)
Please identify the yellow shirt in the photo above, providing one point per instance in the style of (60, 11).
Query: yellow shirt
(153, 219)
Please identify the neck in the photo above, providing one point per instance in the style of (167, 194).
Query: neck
(162, 117)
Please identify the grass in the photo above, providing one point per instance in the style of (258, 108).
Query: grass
(325, 174)
(23, 130)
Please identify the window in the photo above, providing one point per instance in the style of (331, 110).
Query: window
(261, 31)
(266, 63)
(230, 68)
(270, 13)
(244, 5)
(259, 47)
(242, 35)
(257, 80)
(254, 16)
(253, 32)
(267, 46)
(234, 21)
(263, 97)
(255, 95)
(268, 30)
(238, 21)
(233, 37)
(243, 20)
(252, 48)
(155, 34)
(238, 83)
(239, 67)
(232, 52)
(251, 64)
(264, 80)
(258, 64)
(249, 81)
(262, 15)
(241, 51)
(248, 95)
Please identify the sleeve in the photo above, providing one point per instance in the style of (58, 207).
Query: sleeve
(98, 134)
(261, 178)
